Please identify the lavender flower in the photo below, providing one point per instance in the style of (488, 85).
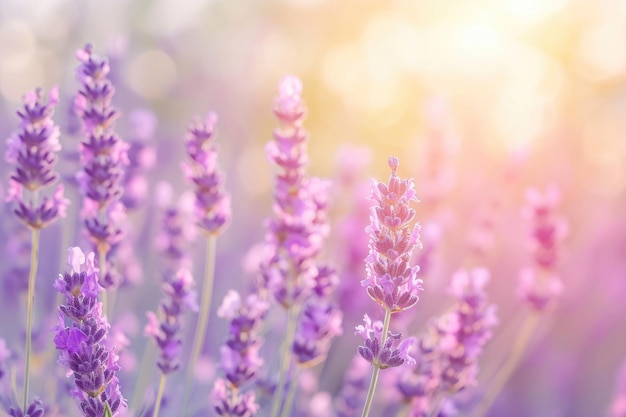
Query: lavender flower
(391, 281)
(240, 354)
(320, 321)
(33, 150)
(299, 226)
(103, 157)
(82, 344)
(383, 352)
(166, 333)
(354, 389)
(448, 352)
(539, 284)
(231, 403)
(213, 210)
(35, 409)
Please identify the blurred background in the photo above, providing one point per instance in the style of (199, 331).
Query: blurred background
(480, 99)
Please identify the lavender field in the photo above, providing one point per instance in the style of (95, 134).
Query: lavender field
(303, 208)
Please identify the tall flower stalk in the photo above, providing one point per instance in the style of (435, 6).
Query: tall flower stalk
(391, 281)
(212, 214)
(33, 150)
(166, 332)
(103, 156)
(297, 230)
(81, 336)
(540, 285)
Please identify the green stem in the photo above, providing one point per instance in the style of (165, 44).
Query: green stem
(374, 381)
(145, 374)
(157, 404)
(291, 394)
(205, 309)
(285, 358)
(34, 252)
(102, 265)
(510, 365)
(438, 403)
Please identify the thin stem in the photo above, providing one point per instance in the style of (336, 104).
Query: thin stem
(374, 381)
(157, 404)
(34, 252)
(144, 375)
(102, 265)
(438, 403)
(285, 358)
(201, 324)
(510, 365)
(291, 394)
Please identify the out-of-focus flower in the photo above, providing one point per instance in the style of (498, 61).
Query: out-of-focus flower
(350, 399)
(213, 210)
(299, 226)
(179, 296)
(230, 403)
(35, 409)
(33, 150)
(540, 285)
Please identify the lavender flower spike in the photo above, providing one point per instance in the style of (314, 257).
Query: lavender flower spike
(34, 410)
(391, 281)
(212, 202)
(166, 333)
(33, 150)
(82, 343)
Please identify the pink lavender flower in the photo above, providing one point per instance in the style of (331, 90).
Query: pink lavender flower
(391, 281)
(141, 157)
(82, 343)
(167, 332)
(213, 210)
(448, 352)
(299, 226)
(4, 355)
(539, 284)
(33, 150)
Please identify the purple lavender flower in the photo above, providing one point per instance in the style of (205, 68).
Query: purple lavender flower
(240, 361)
(103, 156)
(35, 409)
(231, 403)
(350, 399)
(166, 333)
(391, 281)
(539, 284)
(82, 344)
(299, 226)
(213, 210)
(448, 352)
(33, 150)
(319, 321)
(391, 353)
(177, 230)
